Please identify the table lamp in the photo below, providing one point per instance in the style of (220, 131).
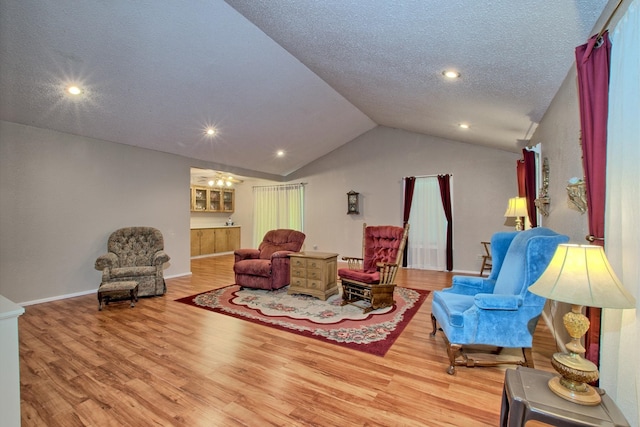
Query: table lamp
(517, 209)
(581, 276)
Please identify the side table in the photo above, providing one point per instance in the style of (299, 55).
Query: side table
(314, 273)
(526, 396)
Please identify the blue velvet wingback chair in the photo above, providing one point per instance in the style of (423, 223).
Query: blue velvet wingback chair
(499, 310)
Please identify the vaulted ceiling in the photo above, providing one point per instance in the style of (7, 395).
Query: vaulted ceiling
(300, 76)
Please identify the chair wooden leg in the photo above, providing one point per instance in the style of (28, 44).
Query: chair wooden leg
(434, 322)
(453, 350)
(528, 357)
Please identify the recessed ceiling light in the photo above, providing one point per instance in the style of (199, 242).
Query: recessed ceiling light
(451, 74)
(210, 131)
(74, 90)
(463, 126)
(280, 153)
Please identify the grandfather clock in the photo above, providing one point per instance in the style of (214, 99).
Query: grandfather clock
(353, 203)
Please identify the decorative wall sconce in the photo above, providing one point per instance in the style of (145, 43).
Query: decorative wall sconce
(577, 192)
(543, 200)
(352, 203)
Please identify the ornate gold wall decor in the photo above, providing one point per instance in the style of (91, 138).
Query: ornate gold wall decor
(577, 192)
(543, 200)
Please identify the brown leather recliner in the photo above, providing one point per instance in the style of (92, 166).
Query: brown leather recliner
(268, 266)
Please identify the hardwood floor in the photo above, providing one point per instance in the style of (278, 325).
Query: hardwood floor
(169, 364)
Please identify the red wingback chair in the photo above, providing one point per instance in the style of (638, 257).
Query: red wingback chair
(268, 266)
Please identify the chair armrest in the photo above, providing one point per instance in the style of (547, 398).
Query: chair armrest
(470, 285)
(387, 271)
(353, 263)
(160, 258)
(108, 260)
(282, 254)
(241, 254)
(497, 302)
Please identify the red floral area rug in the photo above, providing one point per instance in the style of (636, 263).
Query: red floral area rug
(373, 332)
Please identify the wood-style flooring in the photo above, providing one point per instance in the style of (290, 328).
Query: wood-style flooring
(164, 363)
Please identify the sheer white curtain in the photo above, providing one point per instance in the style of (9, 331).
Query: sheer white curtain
(620, 346)
(277, 206)
(427, 227)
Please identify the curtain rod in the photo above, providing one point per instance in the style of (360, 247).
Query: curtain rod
(427, 176)
(280, 185)
(606, 24)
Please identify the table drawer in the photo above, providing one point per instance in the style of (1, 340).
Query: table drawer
(316, 284)
(298, 282)
(298, 272)
(298, 262)
(315, 274)
(315, 263)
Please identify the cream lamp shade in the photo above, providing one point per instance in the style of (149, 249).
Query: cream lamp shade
(579, 275)
(582, 275)
(517, 209)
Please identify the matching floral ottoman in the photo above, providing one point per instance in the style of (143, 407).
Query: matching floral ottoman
(117, 291)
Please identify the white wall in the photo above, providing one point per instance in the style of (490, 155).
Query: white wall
(374, 165)
(559, 133)
(62, 195)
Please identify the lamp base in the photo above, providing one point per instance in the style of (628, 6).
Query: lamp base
(519, 226)
(584, 394)
(575, 373)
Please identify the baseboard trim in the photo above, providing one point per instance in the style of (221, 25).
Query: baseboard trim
(173, 276)
(212, 255)
(83, 293)
(58, 297)
(466, 272)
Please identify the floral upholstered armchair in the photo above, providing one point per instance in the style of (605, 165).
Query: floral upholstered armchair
(497, 311)
(268, 266)
(135, 254)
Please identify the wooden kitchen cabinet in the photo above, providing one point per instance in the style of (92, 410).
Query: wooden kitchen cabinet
(199, 199)
(195, 242)
(203, 241)
(210, 199)
(227, 239)
(207, 241)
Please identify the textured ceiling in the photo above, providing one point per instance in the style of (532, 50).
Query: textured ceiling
(302, 76)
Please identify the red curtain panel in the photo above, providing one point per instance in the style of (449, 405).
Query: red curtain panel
(409, 185)
(530, 185)
(520, 173)
(445, 195)
(592, 64)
